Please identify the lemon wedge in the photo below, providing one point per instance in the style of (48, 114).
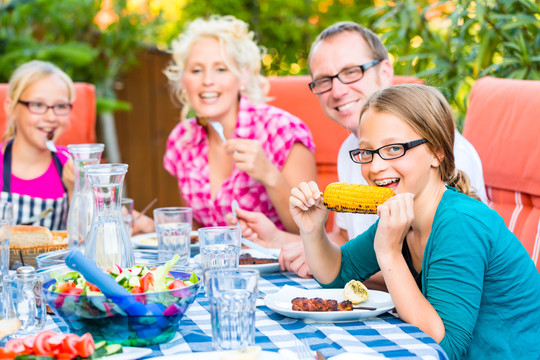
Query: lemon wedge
(249, 353)
(355, 292)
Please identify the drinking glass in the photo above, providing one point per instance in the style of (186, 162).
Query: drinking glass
(232, 294)
(81, 208)
(127, 214)
(4, 259)
(24, 300)
(173, 228)
(219, 247)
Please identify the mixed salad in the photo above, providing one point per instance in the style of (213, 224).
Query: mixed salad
(166, 294)
(137, 279)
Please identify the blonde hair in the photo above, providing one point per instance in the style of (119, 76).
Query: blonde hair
(24, 77)
(235, 40)
(426, 110)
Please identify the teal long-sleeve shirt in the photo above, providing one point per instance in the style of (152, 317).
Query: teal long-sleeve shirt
(477, 276)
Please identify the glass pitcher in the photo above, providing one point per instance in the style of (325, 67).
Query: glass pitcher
(81, 208)
(108, 242)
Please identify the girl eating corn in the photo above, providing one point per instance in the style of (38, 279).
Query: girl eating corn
(451, 265)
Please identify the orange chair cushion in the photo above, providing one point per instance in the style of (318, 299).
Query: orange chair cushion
(82, 120)
(522, 216)
(503, 124)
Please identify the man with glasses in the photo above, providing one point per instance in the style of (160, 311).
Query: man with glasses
(348, 63)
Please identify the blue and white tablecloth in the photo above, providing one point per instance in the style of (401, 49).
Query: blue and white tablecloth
(385, 335)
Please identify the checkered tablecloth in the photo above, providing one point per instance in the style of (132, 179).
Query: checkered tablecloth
(385, 335)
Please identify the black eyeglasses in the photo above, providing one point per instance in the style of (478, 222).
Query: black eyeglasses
(387, 152)
(346, 76)
(38, 108)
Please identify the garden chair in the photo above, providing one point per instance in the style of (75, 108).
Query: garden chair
(503, 124)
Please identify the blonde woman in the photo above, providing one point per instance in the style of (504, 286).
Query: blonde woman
(37, 106)
(216, 73)
(451, 265)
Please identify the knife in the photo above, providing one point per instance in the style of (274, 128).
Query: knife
(260, 248)
(38, 217)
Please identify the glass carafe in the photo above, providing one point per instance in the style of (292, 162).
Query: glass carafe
(81, 208)
(108, 242)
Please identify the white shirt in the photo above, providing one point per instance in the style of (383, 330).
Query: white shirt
(466, 159)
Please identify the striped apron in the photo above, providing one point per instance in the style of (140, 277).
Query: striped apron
(25, 206)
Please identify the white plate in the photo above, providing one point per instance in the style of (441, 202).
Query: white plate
(215, 355)
(262, 268)
(149, 241)
(280, 302)
(129, 353)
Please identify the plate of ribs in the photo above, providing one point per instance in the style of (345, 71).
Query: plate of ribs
(326, 305)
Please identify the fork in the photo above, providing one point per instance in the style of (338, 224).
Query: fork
(303, 351)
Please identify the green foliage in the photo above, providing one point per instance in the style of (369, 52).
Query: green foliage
(449, 44)
(64, 32)
(286, 28)
(462, 41)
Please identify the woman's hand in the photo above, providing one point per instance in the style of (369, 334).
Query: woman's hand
(396, 217)
(249, 157)
(307, 208)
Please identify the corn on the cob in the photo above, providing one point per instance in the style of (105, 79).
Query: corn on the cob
(363, 199)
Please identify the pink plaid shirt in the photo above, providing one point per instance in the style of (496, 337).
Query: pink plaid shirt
(186, 158)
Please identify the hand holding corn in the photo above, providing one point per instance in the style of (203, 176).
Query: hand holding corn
(354, 198)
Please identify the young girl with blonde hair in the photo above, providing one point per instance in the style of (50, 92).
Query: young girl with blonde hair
(449, 262)
(34, 179)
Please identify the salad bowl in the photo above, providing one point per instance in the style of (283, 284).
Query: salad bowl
(87, 310)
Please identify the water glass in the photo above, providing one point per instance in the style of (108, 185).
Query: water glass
(127, 213)
(232, 294)
(219, 247)
(4, 259)
(24, 299)
(173, 228)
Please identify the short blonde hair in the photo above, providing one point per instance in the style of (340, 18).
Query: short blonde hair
(427, 111)
(25, 76)
(236, 42)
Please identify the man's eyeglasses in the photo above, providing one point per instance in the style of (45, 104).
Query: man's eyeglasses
(38, 108)
(387, 152)
(346, 76)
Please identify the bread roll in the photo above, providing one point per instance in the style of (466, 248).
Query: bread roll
(29, 235)
(8, 327)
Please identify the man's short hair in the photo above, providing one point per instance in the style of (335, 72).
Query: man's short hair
(378, 50)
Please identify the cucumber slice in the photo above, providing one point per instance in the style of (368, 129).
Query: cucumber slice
(113, 349)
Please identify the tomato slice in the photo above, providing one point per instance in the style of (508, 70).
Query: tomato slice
(85, 347)
(5, 354)
(92, 286)
(147, 281)
(69, 344)
(136, 290)
(177, 284)
(16, 346)
(41, 343)
(74, 291)
(65, 356)
(64, 287)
